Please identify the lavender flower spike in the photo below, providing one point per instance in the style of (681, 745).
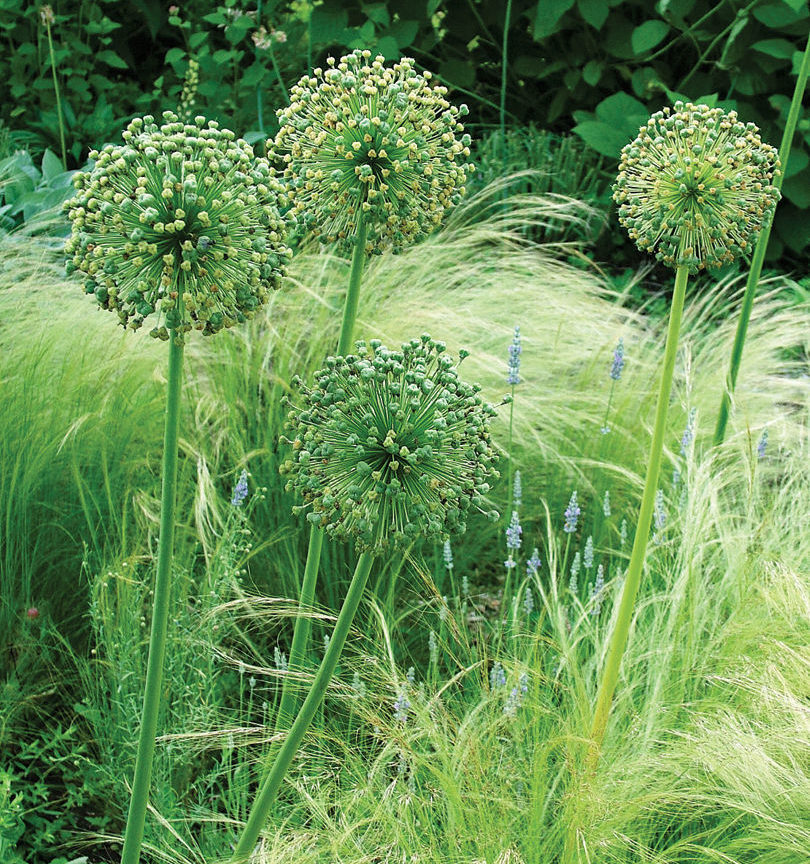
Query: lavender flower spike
(618, 361)
(513, 369)
(240, 491)
(572, 512)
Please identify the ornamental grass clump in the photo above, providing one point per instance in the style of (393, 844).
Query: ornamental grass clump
(365, 143)
(388, 447)
(694, 188)
(180, 224)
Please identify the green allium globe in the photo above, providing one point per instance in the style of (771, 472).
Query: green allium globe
(696, 186)
(181, 221)
(391, 446)
(361, 137)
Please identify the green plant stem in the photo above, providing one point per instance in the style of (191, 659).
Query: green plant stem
(303, 623)
(58, 99)
(759, 254)
(133, 836)
(259, 105)
(618, 639)
(267, 794)
(353, 294)
(504, 67)
(301, 631)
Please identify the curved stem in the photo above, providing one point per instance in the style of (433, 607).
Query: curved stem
(759, 254)
(504, 67)
(267, 794)
(353, 294)
(133, 836)
(618, 639)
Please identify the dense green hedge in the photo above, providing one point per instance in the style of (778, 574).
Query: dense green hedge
(594, 67)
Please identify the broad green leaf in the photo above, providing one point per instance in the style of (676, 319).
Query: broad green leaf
(51, 165)
(592, 72)
(458, 72)
(595, 12)
(622, 111)
(797, 162)
(797, 188)
(174, 55)
(647, 35)
(404, 32)
(196, 39)
(779, 14)
(378, 13)
(547, 16)
(111, 59)
(602, 137)
(775, 48)
(388, 47)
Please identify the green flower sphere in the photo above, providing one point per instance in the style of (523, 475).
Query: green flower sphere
(696, 186)
(180, 221)
(391, 445)
(361, 137)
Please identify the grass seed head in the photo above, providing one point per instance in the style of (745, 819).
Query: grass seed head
(360, 137)
(696, 186)
(391, 445)
(181, 221)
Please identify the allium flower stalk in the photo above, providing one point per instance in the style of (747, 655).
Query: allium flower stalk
(758, 258)
(180, 224)
(373, 157)
(390, 446)
(360, 139)
(694, 188)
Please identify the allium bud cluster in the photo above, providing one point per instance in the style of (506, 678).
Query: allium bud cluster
(696, 186)
(391, 445)
(360, 137)
(181, 222)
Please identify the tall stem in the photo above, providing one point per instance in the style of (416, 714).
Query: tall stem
(504, 67)
(618, 639)
(303, 626)
(759, 253)
(160, 614)
(58, 99)
(353, 294)
(267, 794)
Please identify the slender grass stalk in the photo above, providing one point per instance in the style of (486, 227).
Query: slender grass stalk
(267, 794)
(618, 639)
(133, 836)
(46, 13)
(759, 254)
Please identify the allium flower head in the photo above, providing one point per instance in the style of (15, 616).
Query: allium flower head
(696, 186)
(391, 445)
(181, 222)
(384, 141)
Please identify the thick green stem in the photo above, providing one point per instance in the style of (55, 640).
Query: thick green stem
(58, 99)
(759, 254)
(353, 294)
(618, 639)
(267, 794)
(160, 615)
